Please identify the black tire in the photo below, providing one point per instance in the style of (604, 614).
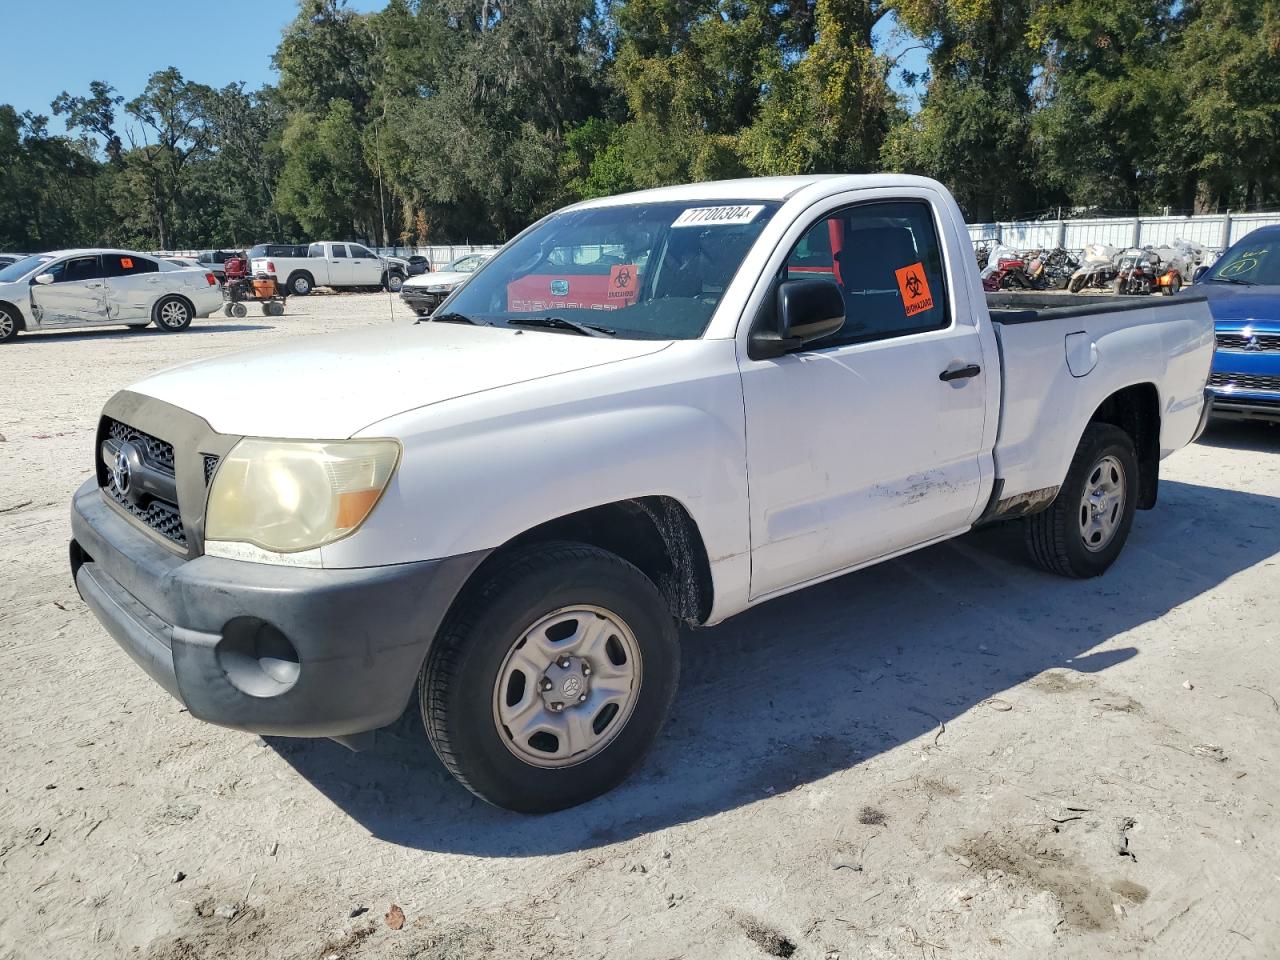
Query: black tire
(300, 283)
(1054, 537)
(458, 681)
(1172, 289)
(239, 311)
(392, 281)
(275, 309)
(227, 310)
(172, 314)
(10, 322)
(421, 312)
(1075, 284)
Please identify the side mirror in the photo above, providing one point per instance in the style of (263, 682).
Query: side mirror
(1200, 272)
(804, 311)
(44, 279)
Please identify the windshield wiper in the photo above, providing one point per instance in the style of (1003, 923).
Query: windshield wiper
(560, 323)
(453, 318)
(1243, 283)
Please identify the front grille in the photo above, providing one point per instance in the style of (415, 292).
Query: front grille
(1256, 343)
(156, 450)
(1244, 381)
(159, 514)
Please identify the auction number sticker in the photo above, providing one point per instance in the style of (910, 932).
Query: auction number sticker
(718, 216)
(126, 263)
(914, 287)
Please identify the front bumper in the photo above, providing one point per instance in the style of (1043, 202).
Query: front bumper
(420, 301)
(287, 651)
(1246, 406)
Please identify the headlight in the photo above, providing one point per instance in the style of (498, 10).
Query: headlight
(439, 287)
(287, 496)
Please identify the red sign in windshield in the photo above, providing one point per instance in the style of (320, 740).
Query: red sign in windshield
(594, 291)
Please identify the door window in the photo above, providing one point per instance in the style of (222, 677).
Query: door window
(340, 250)
(126, 265)
(77, 268)
(316, 250)
(887, 261)
(360, 252)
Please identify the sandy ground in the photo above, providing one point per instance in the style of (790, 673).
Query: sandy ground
(950, 755)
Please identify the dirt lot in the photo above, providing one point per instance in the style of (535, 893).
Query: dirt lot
(950, 755)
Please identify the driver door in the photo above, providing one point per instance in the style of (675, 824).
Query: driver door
(77, 296)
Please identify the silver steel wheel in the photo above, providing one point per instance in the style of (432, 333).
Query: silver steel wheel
(7, 325)
(567, 687)
(395, 282)
(1102, 506)
(301, 286)
(174, 314)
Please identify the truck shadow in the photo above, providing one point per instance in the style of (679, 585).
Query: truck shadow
(124, 333)
(823, 679)
(1250, 436)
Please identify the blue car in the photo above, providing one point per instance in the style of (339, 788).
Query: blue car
(1243, 288)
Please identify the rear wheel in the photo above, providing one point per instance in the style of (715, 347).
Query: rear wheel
(239, 311)
(551, 677)
(1085, 528)
(300, 284)
(172, 314)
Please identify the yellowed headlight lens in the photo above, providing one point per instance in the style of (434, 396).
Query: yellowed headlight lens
(287, 496)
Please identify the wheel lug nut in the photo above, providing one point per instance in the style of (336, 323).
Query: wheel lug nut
(586, 670)
(583, 698)
(546, 684)
(557, 707)
(562, 662)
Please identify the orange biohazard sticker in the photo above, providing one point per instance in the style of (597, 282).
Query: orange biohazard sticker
(623, 281)
(126, 263)
(914, 288)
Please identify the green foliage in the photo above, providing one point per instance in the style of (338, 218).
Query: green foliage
(448, 120)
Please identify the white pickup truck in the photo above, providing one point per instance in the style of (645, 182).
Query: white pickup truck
(299, 270)
(646, 410)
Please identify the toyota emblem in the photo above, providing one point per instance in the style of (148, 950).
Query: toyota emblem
(120, 471)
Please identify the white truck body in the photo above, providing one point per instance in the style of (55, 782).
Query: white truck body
(762, 474)
(330, 264)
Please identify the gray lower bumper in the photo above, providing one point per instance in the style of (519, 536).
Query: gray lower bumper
(275, 650)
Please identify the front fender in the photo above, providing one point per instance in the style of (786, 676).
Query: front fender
(478, 471)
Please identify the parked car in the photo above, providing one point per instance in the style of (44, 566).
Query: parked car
(213, 260)
(83, 288)
(1243, 289)
(418, 265)
(8, 258)
(659, 408)
(338, 265)
(424, 293)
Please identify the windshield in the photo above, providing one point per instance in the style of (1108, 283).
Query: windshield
(19, 269)
(644, 271)
(1250, 261)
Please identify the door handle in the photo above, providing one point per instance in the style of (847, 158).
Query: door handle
(960, 373)
(92, 286)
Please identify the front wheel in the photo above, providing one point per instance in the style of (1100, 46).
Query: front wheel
(1085, 528)
(394, 282)
(551, 677)
(172, 314)
(9, 324)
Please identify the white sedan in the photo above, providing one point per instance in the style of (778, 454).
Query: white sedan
(426, 291)
(88, 288)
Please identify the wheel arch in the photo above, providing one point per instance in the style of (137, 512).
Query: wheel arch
(155, 307)
(1135, 409)
(19, 317)
(656, 534)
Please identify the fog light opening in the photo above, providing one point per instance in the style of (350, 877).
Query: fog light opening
(257, 658)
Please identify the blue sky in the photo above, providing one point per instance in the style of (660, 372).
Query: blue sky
(62, 46)
(54, 47)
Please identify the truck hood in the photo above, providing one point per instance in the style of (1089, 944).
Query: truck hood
(1259, 306)
(332, 386)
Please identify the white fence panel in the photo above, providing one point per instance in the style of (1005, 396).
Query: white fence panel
(1114, 232)
(1242, 223)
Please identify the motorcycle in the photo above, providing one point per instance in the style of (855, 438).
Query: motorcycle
(1097, 268)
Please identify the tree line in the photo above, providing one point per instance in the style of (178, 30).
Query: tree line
(435, 121)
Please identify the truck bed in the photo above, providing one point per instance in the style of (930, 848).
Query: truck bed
(1038, 306)
(1063, 355)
